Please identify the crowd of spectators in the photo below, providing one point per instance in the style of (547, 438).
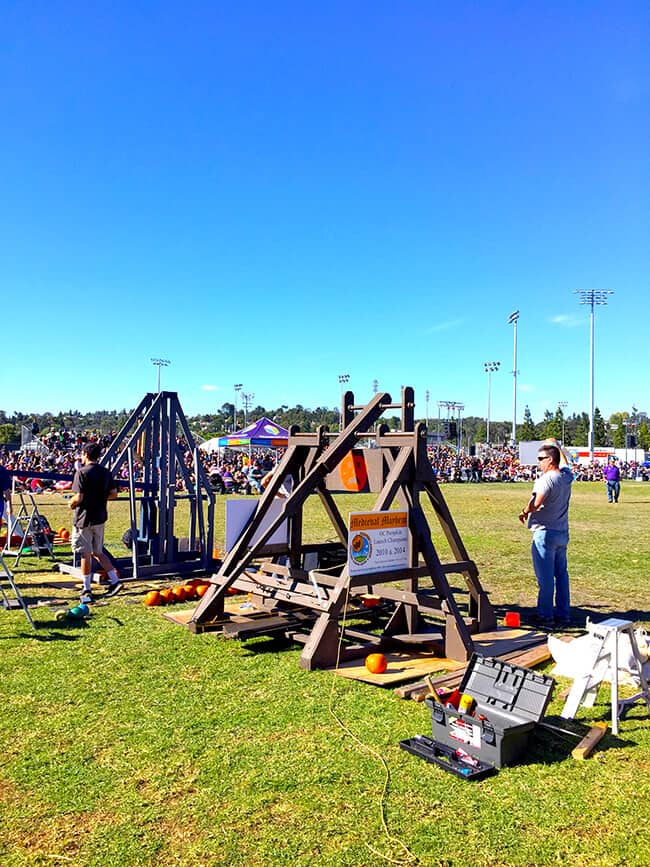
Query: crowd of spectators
(240, 472)
(502, 465)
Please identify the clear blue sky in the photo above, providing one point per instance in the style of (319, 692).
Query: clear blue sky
(277, 193)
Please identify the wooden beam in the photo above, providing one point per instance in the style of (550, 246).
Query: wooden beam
(595, 734)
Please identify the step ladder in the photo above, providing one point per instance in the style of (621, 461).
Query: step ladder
(28, 522)
(18, 601)
(603, 654)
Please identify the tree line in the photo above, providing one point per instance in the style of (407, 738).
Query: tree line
(573, 429)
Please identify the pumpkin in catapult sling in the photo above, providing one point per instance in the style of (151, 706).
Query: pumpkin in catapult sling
(153, 597)
(376, 663)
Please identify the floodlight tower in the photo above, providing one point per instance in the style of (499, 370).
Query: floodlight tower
(238, 387)
(512, 320)
(592, 297)
(344, 378)
(490, 368)
(247, 397)
(160, 362)
(562, 404)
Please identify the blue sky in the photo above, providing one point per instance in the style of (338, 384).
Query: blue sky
(276, 194)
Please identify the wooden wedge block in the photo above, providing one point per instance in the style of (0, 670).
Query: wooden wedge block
(595, 734)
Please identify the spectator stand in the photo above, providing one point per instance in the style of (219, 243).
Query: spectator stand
(296, 595)
(149, 449)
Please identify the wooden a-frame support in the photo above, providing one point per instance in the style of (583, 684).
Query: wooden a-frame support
(148, 441)
(302, 597)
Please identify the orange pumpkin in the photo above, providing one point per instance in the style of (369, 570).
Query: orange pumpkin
(190, 591)
(62, 530)
(202, 589)
(167, 596)
(65, 534)
(152, 598)
(179, 594)
(376, 663)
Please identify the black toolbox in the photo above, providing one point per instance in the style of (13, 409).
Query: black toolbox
(508, 701)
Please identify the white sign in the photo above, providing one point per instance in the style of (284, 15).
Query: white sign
(377, 542)
(238, 515)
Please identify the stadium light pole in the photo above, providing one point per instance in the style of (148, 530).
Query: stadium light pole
(247, 397)
(238, 387)
(512, 320)
(160, 362)
(592, 297)
(490, 368)
(344, 378)
(562, 404)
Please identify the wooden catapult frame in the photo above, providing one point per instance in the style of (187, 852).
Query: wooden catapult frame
(147, 445)
(296, 598)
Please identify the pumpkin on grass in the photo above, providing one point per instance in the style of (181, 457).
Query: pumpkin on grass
(179, 593)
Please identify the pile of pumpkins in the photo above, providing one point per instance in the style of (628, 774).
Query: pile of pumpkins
(193, 589)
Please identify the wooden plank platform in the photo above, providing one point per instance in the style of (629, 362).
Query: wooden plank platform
(504, 640)
(527, 657)
(401, 667)
(233, 611)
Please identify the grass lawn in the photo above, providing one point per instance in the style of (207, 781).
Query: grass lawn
(129, 741)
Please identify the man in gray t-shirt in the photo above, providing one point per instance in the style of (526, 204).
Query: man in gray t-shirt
(547, 515)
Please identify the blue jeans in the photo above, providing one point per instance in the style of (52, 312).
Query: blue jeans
(613, 490)
(550, 564)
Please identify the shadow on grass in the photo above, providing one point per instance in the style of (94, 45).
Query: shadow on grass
(63, 631)
(267, 644)
(579, 615)
(549, 747)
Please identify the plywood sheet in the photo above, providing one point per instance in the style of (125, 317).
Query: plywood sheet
(503, 640)
(401, 667)
(232, 609)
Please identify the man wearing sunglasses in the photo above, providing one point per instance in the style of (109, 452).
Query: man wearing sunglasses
(547, 515)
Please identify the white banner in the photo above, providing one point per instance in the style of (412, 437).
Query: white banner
(377, 542)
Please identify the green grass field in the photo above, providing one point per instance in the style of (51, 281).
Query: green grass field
(130, 741)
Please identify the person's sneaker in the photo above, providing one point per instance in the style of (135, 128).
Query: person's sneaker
(113, 589)
(86, 598)
(564, 624)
